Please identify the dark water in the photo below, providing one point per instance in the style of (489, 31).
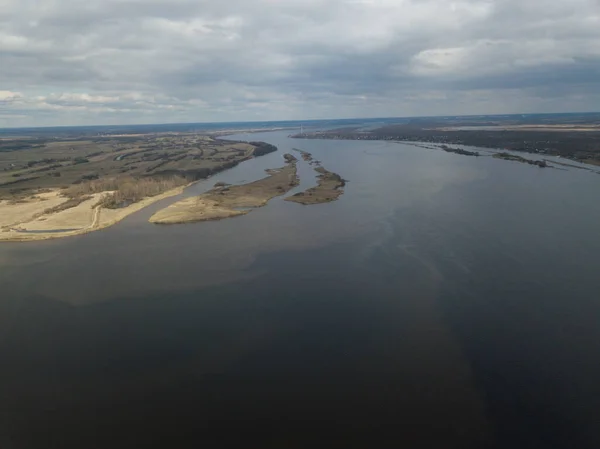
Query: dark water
(443, 301)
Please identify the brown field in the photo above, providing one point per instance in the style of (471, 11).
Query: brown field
(62, 164)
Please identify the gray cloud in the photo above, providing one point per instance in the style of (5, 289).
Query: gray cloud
(140, 61)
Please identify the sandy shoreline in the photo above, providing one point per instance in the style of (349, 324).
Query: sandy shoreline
(85, 217)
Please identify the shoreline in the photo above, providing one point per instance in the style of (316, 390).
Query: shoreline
(116, 216)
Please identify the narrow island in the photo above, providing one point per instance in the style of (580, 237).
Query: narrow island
(513, 157)
(460, 151)
(330, 186)
(306, 156)
(58, 186)
(225, 201)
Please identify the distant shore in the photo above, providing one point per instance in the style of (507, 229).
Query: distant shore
(578, 141)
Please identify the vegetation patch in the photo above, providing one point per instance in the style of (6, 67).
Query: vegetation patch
(73, 202)
(125, 190)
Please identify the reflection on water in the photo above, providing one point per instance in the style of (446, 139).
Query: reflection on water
(443, 301)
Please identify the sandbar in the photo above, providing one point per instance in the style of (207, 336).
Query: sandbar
(225, 201)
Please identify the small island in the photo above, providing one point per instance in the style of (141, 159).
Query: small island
(306, 156)
(460, 151)
(225, 201)
(513, 157)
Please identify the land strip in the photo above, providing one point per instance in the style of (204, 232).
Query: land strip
(225, 201)
(330, 186)
(515, 158)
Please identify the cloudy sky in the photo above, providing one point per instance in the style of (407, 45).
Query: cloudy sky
(70, 62)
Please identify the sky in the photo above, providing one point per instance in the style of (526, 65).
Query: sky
(86, 62)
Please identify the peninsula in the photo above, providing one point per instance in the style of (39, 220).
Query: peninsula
(225, 201)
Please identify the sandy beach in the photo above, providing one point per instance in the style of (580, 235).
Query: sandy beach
(30, 221)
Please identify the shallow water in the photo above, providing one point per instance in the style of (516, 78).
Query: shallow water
(443, 301)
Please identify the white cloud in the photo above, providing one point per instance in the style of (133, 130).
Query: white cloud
(116, 61)
(8, 96)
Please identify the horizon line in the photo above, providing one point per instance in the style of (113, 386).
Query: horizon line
(298, 120)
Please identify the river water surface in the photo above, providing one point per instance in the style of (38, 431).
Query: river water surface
(443, 301)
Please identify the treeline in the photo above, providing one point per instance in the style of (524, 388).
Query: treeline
(72, 202)
(125, 190)
(19, 144)
(262, 148)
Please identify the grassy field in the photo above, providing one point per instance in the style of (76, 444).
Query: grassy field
(83, 165)
(84, 184)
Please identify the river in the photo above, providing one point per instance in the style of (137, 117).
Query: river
(443, 301)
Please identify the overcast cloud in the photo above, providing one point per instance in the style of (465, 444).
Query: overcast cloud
(70, 62)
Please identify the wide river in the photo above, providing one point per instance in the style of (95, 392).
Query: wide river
(444, 301)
